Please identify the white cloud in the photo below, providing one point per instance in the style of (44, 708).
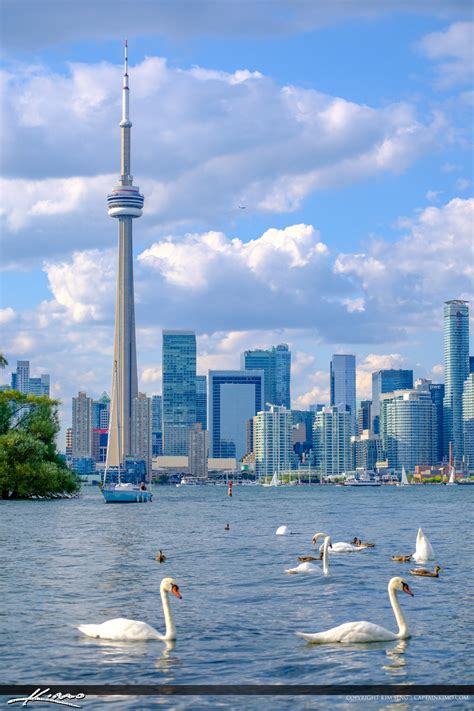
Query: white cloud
(204, 141)
(7, 315)
(453, 50)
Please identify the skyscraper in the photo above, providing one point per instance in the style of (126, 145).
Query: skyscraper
(468, 421)
(22, 376)
(101, 412)
(387, 381)
(273, 441)
(124, 203)
(81, 426)
(332, 440)
(198, 451)
(141, 430)
(456, 370)
(364, 420)
(343, 384)
(235, 396)
(156, 425)
(276, 365)
(179, 390)
(201, 400)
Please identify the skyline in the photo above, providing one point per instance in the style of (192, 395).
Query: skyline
(356, 212)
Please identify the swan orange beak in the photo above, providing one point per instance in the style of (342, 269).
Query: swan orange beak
(407, 590)
(175, 591)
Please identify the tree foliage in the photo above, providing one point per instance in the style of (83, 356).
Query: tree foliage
(30, 464)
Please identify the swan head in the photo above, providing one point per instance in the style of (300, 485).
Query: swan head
(317, 536)
(169, 585)
(400, 584)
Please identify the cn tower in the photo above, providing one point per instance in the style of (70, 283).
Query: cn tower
(124, 203)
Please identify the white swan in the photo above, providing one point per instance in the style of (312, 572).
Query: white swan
(309, 567)
(355, 632)
(133, 630)
(282, 531)
(424, 549)
(339, 547)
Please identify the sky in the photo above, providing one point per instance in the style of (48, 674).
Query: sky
(307, 172)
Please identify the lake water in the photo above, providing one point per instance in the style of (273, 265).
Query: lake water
(78, 561)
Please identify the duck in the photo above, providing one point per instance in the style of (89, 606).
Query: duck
(122, 629)
(308, 567)
(357, 542)
(227, 527)
(339, 547)
(363, 632)
(426, 573)
(160, 556)
(306, 558)
(402, 558)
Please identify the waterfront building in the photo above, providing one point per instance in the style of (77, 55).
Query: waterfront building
(304, 421)
(468, 421)
(342, 377)
(408, 427)
(21, 380)
(101, 412)
(235, 396)
(81, 426)
(179, 390)
(198, 451)
(125, 204)
(437, 396)
(282, 375)
(332, 440)
(364, 419)
(141, 430)
(276, 365)
(156, 425)
(273, 441)
(69, 442)
(317, 407)
(201, 400)
(100, 436)
(387, 381)
(456, 370)
(366, 450)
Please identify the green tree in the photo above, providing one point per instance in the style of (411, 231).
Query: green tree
(30, 464)
(3, 361)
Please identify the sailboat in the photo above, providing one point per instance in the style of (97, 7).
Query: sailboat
(275, 481)
(452, 476)
(404, 479)
(119, 493)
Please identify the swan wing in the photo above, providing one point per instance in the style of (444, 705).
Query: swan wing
(340, 547)
(121, 629)
(424, 549)
(304, 568)
(350, 633)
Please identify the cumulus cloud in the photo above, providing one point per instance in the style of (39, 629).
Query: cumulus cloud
(452, 49)
(204, 142)
(7, 315)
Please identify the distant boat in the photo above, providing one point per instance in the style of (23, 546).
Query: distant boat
(452, 477)
(275, 481)
(363, 479)
(404, 480)
(119, 493)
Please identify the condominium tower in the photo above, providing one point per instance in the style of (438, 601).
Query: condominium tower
(456, 370)
(179, 390)
(343, 384)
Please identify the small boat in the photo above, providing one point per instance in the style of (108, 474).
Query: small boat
(404, 480)
(452, 477)
(362, 479)
(275, 481)
(120, 492)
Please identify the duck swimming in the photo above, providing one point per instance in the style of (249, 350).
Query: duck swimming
(401, 558)
(160, 557)
(426, 573)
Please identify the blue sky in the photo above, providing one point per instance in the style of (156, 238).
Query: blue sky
(344, 128)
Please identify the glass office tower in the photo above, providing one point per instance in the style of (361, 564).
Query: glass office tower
(456, 370)
(179, 390)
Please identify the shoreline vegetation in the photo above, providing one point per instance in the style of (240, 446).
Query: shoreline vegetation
(30, 465)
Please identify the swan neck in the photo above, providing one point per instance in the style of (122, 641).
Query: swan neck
(327, 540)
(402, 625)
(170, 631)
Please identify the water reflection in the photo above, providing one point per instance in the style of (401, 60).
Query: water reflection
(397, 659)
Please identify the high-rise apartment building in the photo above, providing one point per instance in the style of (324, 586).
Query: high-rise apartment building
(21, 380)
(156, 425)
(39, 386)
(101, 412)
(342, 377)
(69, 442)
(235, 396)
(437, 396)
(408, 427)
(141, 430)
(332, 440)
(81, 426)
(125, 203)
(198, 451)
(364, 419)
(276, 365)
(387, 381)
(456, 370)
(179, 390)
(366, 450)
(273, 441)
(201, 400)
(468, 421)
